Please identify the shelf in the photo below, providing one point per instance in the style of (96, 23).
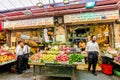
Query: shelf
(7, 62)
(2, 42)
(79, 38)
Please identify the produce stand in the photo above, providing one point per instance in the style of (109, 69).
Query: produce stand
(9, 62)
(55, 70)
(6, 66)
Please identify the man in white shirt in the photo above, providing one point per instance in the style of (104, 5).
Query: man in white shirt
(26, 51)
(93, 51)
(19, 53)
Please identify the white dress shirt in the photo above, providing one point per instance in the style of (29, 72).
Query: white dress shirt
(92, 46)
(26, 49)
(19, 50)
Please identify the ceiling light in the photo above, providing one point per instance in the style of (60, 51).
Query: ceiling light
(90, 4)
(75, 2)
(66, 1)
(40, 4)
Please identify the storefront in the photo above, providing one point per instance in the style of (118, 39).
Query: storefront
(31, 29)
(82, 26)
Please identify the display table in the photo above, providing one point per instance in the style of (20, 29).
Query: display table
(6, 66)
(9, 62)
(55, 70)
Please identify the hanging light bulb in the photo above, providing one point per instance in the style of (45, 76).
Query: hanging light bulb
(66, 1)
(40, 4)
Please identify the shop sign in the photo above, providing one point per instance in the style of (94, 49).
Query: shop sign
(117, 45)
(46, 38)
(29, 22)
(92, 16)
(46, 35)
(25, 36)
(60, 38)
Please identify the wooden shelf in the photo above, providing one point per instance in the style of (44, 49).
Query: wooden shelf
(79, 38)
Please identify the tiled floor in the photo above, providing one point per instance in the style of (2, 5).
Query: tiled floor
(83, 75)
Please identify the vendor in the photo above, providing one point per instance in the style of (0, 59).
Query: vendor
(41, 45)
(82, 45)
(75, 45)
(92, 49)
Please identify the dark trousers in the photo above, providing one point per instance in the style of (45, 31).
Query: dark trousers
(25, 62)
(92, 60)
(20, 64)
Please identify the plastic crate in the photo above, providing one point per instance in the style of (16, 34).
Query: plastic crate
(117, 72)
(107, 69)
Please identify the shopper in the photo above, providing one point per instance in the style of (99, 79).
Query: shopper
(82, 45)
(19, 53)
(93, 51)
(26, 51)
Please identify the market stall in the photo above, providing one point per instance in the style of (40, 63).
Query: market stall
(110, 57)
(31, 31)
(82, 26)
(59, 61)
(7, 58)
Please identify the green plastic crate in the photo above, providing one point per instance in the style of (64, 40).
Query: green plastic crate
(117, 72)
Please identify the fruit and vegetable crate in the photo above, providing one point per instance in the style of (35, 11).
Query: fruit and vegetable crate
(56, 70)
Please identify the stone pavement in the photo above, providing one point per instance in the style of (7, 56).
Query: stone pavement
(28, 75)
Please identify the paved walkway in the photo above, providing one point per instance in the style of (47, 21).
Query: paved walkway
(84, 75)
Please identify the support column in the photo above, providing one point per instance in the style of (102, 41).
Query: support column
(117, 35)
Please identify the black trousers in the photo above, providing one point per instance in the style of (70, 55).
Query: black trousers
(92, 60)
(25, 62)
(20, 64)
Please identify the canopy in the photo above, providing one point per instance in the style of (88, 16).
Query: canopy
(12, 5)
(17, 4)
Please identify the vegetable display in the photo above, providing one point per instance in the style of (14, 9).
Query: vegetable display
(36, 56)
(60, 55)
(48, 58)
(62, 58)
(52, 52)
(6, 56)
(75, 58)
